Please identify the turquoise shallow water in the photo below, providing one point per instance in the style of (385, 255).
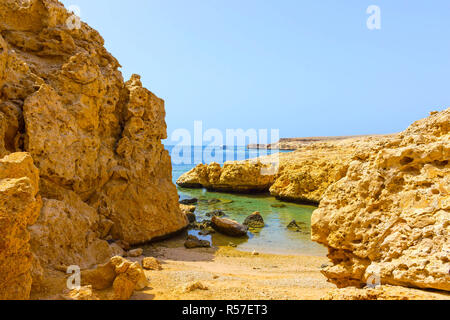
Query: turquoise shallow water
(274, 237)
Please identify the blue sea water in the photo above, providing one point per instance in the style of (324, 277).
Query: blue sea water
(275, 237)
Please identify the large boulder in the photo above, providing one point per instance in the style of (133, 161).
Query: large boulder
(389, 217)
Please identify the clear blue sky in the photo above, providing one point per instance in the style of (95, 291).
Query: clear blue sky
(308, 68)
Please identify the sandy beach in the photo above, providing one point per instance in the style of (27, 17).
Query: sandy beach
(231, 274)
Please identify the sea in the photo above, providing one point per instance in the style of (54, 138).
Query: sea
(275, 237)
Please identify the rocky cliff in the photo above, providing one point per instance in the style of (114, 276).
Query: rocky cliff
(96, 141)
(388, 219)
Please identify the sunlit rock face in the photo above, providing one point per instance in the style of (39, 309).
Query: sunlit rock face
(388, 219)
(96, 140)
(19, 208)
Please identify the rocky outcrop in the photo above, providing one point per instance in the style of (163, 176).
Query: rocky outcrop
(388, 218)
(300, 176)
(242, 176)
(229, 227)
(385, 292)
(19, 208)
(104, 173)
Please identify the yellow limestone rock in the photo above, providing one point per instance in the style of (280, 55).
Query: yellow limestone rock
(151, 263)
(389, 217)
(242, 176)
(96, 140)
(114, 280)
(385, 292)
(19, 208)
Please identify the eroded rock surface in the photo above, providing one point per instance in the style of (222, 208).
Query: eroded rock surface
(104, 173)
(19, 208)
(389, 217)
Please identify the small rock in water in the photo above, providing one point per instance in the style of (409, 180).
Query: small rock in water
(189, 201)
(117, 250)
(191, 217)
(254, 253)
(194, 242)
(186, 208)
(135, 253)
(215, 213)
(151, 263)
(255, 220)
(281, 205)
(204, 225)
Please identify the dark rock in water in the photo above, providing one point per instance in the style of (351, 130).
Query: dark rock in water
(255, 220)
(229, 227)
(216, 213)
(188, 211)
(295, 226)
(206, 232)
(189, 201)
(210, 201)
(280, 205)
(194, 242)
